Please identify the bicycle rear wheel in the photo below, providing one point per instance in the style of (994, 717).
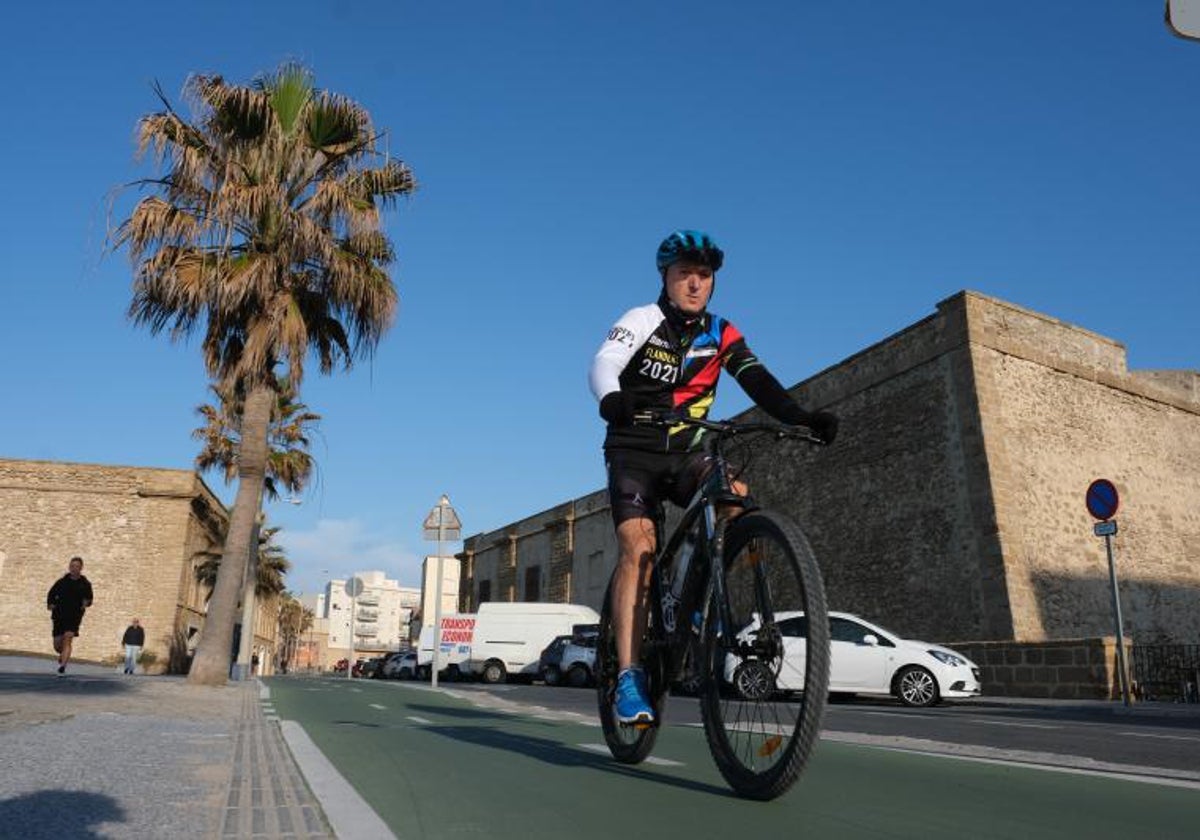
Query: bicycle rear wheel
(768, 666)
(628, 744)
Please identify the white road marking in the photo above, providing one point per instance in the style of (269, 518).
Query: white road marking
(1014, 723)
(1050, 762)
(421, 720)
(661, 762)
(1163, 737)
(900, 715)
(376, 706)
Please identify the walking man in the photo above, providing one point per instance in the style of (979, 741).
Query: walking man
(134, 638)
(67, 600)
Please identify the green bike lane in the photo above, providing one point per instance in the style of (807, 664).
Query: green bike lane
(435, 765)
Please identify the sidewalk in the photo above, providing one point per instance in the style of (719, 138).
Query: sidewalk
(100, 754)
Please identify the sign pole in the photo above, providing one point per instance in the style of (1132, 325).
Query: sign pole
(437, 604)
(354, 588)
(1102, 502)
(441, 524)
(1122, 665)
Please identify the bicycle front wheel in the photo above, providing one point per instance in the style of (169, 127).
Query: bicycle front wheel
(767, 657)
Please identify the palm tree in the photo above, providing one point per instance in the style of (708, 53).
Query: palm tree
(289, 463)
(271, 566)
(262, 233)
(294, 621)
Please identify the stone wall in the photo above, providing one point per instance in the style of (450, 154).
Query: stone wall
(1061, 409)
(139, 531)
(1071, 669)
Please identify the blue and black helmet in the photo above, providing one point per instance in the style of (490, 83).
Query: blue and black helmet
(692, 245)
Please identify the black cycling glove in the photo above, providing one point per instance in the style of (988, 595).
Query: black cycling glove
(824, 424)
(618, 407)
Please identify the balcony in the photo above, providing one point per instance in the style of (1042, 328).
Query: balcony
(368, 599)
(366, 630)
(365, 614)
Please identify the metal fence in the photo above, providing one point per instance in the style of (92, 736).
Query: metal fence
(1167, 672)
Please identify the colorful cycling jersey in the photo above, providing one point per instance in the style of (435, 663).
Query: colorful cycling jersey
(669, 362)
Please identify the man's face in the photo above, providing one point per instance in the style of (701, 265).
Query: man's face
(689, 286)
(75, 568)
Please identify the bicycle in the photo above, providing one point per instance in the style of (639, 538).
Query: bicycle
(732, 630)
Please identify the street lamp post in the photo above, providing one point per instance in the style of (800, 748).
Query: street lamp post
(441, 524)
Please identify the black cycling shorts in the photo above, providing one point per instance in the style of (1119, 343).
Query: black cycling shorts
(639, 482)
(65, 623)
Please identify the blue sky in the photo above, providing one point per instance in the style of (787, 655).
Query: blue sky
(858, 162)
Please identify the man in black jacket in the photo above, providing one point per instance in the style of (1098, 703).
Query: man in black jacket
(134, 638)
(67, 599)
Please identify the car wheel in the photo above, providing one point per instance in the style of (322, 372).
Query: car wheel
(423, 672)
(493, 672)
(551, 675)
(578, 676)
(916, 687)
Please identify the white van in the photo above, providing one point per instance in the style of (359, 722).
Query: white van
(458, 631)
(509, 637)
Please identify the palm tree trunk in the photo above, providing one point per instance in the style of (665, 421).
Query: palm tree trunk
(213, 654)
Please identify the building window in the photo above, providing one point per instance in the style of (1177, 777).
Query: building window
(533, 583)
(485, 591)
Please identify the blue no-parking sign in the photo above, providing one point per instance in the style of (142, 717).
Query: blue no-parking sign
(1102, 499)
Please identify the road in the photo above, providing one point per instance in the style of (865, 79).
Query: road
(1165, 741)
(529, 761)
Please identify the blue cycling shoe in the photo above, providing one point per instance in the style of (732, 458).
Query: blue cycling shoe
(632, 706)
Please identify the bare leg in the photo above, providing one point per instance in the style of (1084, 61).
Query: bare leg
(58, 640)
(631, 586)
(65, 654)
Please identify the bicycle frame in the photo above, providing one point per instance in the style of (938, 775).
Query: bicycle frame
(707, 514)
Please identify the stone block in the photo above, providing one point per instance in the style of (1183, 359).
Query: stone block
(1059, 656)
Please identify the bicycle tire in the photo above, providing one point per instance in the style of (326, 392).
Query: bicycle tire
(760, 740)
(628, 744)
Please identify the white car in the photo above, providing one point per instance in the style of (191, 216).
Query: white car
(864, 659)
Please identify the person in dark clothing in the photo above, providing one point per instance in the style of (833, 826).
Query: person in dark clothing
(134, 639)
(67, 600)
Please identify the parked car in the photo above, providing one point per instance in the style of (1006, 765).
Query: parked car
(864, 659)
(391, 664)
(578, 662)
(548, 663)
(409, 669)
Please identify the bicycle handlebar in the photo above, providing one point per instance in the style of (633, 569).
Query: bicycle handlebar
(726, 428)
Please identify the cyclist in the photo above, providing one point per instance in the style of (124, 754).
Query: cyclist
(667, 356)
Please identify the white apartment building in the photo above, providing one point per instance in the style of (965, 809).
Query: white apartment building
(381, 614)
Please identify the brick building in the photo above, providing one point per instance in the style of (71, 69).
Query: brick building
(141, 532)
(951, 508)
